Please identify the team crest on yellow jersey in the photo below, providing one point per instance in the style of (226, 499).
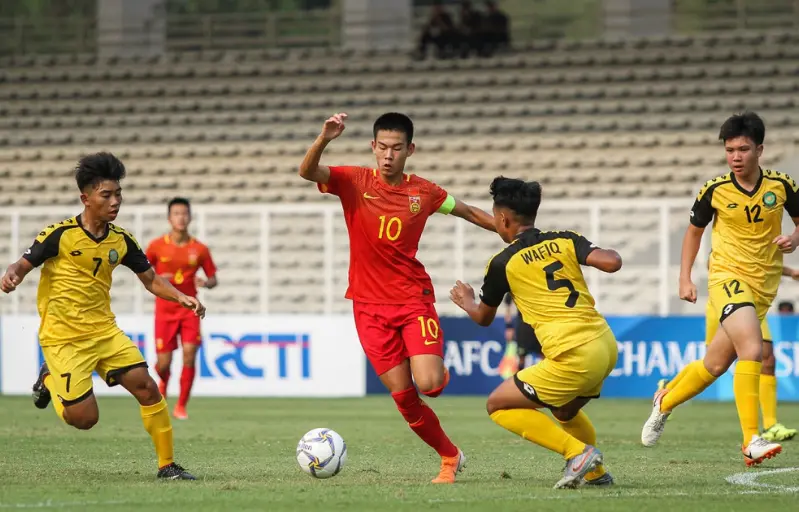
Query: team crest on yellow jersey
(415, 200)
(769, 199)
(113, 257)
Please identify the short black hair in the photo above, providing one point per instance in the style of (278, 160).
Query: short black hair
(96, 168)
(394, 122)
(521, 197)
(785, 305)
(177, 200)
(746, 124)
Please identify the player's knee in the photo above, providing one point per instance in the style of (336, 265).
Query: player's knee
(84, 421)
(493, 405)
(431, 388)
(565, 414)
(769, 365)
(716, 368)
(432, 385)
(769, 360)
(146, 392)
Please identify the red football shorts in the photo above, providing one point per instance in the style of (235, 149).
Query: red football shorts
(166, 333)
(391, 333)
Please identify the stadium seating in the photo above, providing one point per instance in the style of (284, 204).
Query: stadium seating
(631, 120)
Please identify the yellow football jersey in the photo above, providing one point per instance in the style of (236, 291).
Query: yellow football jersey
(745, 225)
(74, 297)
(541, 270)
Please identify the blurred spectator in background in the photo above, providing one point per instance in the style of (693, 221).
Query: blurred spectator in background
(520, 341)
(470, 30)
(440, 31)
(785, 308)
(496, 31)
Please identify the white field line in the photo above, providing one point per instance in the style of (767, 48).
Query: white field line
(749, 479)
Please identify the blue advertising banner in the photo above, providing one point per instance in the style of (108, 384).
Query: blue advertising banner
(650, 348)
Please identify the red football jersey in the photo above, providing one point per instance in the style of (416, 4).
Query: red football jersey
(385, 224)
(179, 264)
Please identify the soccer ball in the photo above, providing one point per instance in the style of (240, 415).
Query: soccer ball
(322, 453)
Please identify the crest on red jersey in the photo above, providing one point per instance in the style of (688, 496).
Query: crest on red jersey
(192, 259)
(415, 200)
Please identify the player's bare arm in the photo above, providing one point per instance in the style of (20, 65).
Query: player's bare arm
(163, 289)
(14, 275)
(462, 294)
(606, 260)
(474, 215)
(209, 283)
(690, 248)
(310, 168)
(793, 273)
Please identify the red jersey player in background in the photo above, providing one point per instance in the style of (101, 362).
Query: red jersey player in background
(386, 211)
(177, 256)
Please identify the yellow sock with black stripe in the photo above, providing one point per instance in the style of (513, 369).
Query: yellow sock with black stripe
(581, 428)
(768, 400)
(746, 388)
(159, 426)
(685, 370)
(537, 428)
(696, 380)
(49, 383)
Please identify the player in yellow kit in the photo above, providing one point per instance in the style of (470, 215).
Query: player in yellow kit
(772, 429)
(78, 332)
(746, 207)
(541, 270)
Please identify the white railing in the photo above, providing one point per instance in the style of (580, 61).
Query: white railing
(290, 258)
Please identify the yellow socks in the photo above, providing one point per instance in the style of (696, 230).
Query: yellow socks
(768, 400)
(537, 428)
(746, 387)
(695, 380)
(685, 369)
(158, 425)
(581, 428)
(49, 383)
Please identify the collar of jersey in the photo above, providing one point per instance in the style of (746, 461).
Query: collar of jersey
(91, 236)
(527, 232)
(168, 241)
(743, 190)
(406, 178)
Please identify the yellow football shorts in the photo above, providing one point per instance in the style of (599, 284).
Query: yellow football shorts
(576, 373)
(72, 364)
(726, 297)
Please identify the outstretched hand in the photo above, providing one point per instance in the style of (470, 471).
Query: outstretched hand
(193, 304)
(462, 294)
(334, 126)
(786, 243)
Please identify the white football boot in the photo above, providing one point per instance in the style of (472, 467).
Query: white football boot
(654, 426)
(759, 450)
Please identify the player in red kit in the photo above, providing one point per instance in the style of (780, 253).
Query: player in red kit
(393, 300)
(177, 256)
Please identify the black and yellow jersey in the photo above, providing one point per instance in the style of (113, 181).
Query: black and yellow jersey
(74, 297)
(541, 270)
(745, 225)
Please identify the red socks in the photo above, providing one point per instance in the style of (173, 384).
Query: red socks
(424, 422)
(186, 381)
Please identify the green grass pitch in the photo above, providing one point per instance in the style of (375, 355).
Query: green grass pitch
(242, 450)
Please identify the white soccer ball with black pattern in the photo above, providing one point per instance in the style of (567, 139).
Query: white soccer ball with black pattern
(322, 453)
